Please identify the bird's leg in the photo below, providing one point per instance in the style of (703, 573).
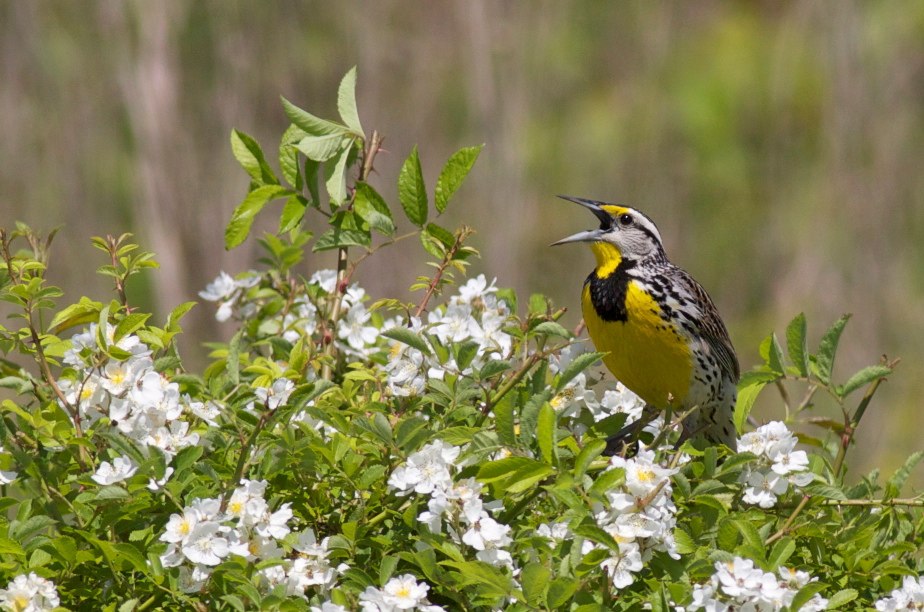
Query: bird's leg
(625, 441)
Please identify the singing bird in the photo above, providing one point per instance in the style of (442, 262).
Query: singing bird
(662, 335)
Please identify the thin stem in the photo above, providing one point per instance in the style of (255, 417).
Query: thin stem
(461, 236)
(850, 425)
(787, 405)
(789, 521)
(369, 152)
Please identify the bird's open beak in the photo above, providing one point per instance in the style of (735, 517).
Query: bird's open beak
(588, 235)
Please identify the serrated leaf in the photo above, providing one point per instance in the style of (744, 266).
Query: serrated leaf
(551, 328)
(827, 349)
(796, 343)
(336, 177)
(309, 123)
(83, 312)
(560, 591)
(408, 337)
(591, 451)
(844, 596)
(534, 580)
(749, 534)
(503, 421)
(453, 174)
(346, 102)
(249, 154)
(243, 216)
(411, 190)
(441, 234)
(335, 238)
(371, 207)
(577, 365)
(684, 541)
(746, 398)
(545, 432)
(864, 377)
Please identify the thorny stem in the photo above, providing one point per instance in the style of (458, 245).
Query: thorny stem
(372, 148)
(461, 236)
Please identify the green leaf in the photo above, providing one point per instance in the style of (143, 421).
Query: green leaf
(322, 148)
(411, 190)
(545, 433)
(844, 596)
(371, 207)
(806, 593)
(83, 312)
(591, 451)
(827, 349)
(577, 365)
(292, 213)
(249, 154)
(243, 216)
(772, 354)
(781, 552)
(408, 337)
(746, 398)
(684, 541)
(560, 591)
(452, 175)
(503, 421)
(311, 124)
(335, 238)
(514, 474)
(336, 177)
(796, 343)
(551, 328)
(346, 102)
(534, 580)
(749, 534)
(864, 377)
(129, 324)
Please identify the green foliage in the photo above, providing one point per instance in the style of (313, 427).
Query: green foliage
(335, 450)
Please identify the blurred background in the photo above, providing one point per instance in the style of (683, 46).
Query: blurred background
(779, 146)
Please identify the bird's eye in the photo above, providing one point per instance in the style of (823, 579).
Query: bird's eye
(625, 219)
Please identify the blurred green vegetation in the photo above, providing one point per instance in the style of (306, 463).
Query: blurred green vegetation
(777, 144)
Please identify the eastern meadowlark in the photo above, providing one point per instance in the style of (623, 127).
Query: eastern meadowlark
(662, 334)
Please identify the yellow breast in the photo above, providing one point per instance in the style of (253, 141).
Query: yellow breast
(646, 353)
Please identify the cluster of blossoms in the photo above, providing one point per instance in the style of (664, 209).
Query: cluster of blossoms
(738, 585)
(139, 402)
(29, 593)
(456, 505)
(909, 597)
(474, 314)
(356, 335)
(778, 467)
(640, 515)
(204, 535)
(399, 593)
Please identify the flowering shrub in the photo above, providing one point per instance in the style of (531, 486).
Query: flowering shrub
(352, 452)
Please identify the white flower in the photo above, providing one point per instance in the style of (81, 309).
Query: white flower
(763, 488)
(788, 462)
(119, 376)
(120, 469)
(354, 330)
(909, 597)
(557, 532)
(205, 545)
(29, 593)
(325, 279)
(475, 290)
(277, 394)
(274, 525)
(485, 533)
(404, 372)
(207, 411)
(328, 606)
(621, 568)
(158, 484)
(404, 592)
(426, 470)
(456, 324)
(219, 289)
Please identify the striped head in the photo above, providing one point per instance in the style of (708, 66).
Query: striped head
(624, 233)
